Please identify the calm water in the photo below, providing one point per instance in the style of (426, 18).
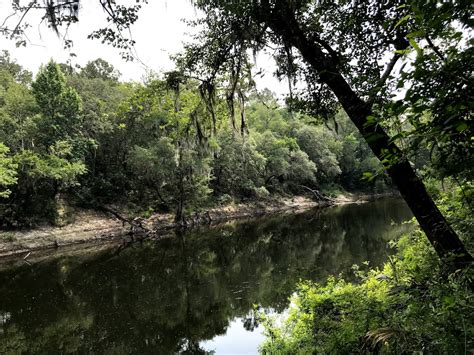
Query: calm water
(191, 294)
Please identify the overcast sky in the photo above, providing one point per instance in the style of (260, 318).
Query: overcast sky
(159, 32)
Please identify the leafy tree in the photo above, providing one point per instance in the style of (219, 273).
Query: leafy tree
(60, 122)
(161, 139)
(334, 49)
(100, 69)
(238, 166)
(285, 162)
(359, 167)
(438, 102)
(155, 166)
(19, 74)
(46, 144)
(323, 149)
(17, 111)
(264, 113)
(277, 153)
(179, 177)
(7, 172)
(302, 169)
(59, 104)
(100, 116)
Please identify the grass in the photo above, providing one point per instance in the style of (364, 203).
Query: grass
(7, 237)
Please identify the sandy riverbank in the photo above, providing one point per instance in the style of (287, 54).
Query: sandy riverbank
(96, 227)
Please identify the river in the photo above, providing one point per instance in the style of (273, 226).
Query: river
(191, 293)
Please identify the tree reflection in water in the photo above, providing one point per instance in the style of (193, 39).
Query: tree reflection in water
(167, 296)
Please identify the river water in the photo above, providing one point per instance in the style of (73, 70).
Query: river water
(191, 293)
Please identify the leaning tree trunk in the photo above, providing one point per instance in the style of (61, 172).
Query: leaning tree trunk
(440, 234)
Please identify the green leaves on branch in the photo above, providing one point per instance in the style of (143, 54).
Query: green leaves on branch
(50, 166)
(8, 174)
(55, 99)
(47, 144)
(406, 306)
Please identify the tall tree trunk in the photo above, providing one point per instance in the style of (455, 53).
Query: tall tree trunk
(243, 125)
(440, 234)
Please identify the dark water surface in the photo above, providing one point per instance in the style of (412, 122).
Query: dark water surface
(192, 293)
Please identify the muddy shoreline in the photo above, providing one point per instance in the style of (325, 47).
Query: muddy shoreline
(96, 229)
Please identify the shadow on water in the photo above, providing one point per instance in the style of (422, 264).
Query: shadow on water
(170, 295)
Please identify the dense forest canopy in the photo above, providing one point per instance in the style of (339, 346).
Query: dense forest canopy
(336, 49)
(380, 99)
(82, 135)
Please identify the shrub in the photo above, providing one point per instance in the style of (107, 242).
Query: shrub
(411, 305)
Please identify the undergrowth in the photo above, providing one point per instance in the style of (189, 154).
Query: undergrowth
(413, 304)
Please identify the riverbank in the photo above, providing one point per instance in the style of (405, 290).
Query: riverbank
(100, 227)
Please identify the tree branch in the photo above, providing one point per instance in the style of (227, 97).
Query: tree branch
(383, 78)
(435, 49)
(23, 16)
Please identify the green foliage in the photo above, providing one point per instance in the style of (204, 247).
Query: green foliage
(100, 69)
(8, 175)
(59, 104)
(277, 153)
(238, 167)
(456, 201)
(42, 129)
(284, 160)
(157, 146)
(323, 148)
(17, 108)
(49, 166)
(411, 304)
(438, 103)
(54, 97)
(302, 169)
(155, 164)
(360, 169)
(10, 66)
(7, 237)
(175, 176)
(408, 306)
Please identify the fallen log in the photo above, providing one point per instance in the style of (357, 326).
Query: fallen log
(318, 195)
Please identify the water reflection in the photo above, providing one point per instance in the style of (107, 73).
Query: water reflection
(170, 296)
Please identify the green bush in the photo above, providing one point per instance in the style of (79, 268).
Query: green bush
(261, 192)
(7, 237)
(411, 305)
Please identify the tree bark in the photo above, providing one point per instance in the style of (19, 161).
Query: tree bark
(318, 195)
(440, 234)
